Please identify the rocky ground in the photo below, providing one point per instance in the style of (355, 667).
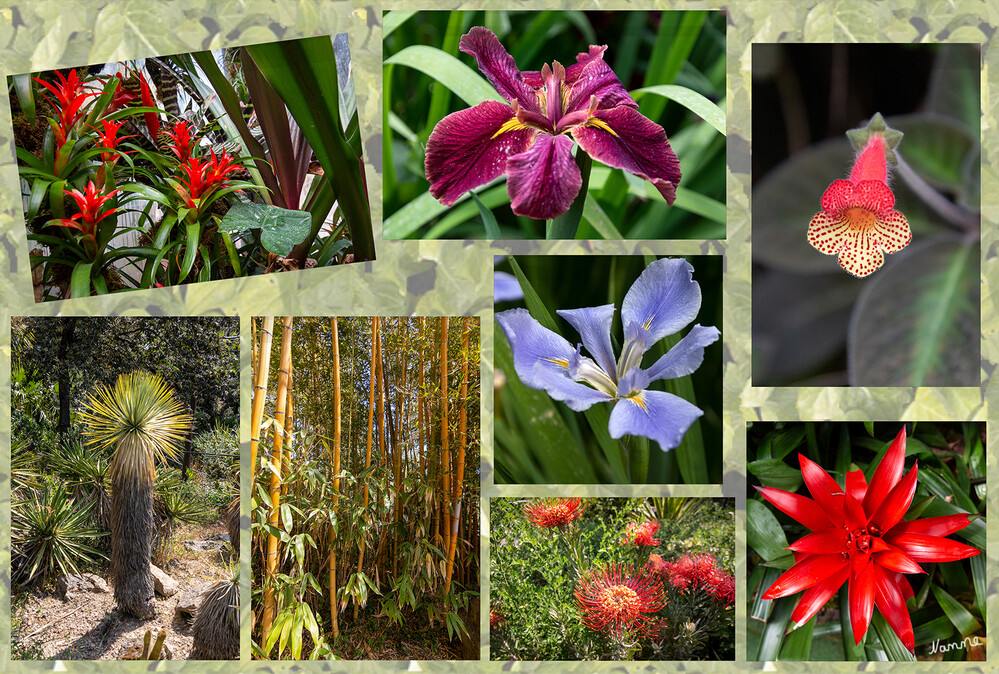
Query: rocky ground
(75, 618)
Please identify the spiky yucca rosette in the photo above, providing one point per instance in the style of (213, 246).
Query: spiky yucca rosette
(216, 627)
(140, 417)
(620, 601)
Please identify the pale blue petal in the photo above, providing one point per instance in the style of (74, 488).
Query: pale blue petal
(635, 379)
(661, 302)
(506, 288)
(560, 387)
(534, 345)
(594, 325)
(686, 356)
(659, 416)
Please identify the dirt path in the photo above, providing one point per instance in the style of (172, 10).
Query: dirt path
(86, 626)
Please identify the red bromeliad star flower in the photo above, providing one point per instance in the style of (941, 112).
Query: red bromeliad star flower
(858, 536)
(641, 534)
(553, 512)
(182, 139)
(201, 176)
(618, 602)
(525, 137)
(68, 104)
(90, 203)
(108, 137)
(857, 220)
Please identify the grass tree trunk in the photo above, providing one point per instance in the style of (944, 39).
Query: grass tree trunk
(142, 419)
(270, 560)
(460, 470)
(336, 473)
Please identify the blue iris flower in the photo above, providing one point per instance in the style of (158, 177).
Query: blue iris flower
(661, 302)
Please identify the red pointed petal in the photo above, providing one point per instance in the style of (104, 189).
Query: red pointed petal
(816, 596)
(821, 542)
(470, 147)
(820, 485)
(800, 508)
(809, 571)
(904, 585)
(896, 560)
(923, 548)
(856, 484)
(624, 138)
(891, 602)
(853, 513)
(861, 601)
(887, 473)
(897, 502)
(944, 525)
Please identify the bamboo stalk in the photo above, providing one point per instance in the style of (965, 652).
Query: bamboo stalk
(460, 472)
(336, 472)
(270, 561)
(289, 426)
(381, 429)
(260, 391)
(367, 458)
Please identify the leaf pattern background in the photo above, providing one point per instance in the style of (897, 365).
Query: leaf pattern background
(454, 277)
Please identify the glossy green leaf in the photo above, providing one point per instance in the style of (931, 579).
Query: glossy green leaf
(775, 473)
(798, 644)
(893, 646)
(488, 219)
(777, 623)
(280, 228)
(763, 532)
(958, 615)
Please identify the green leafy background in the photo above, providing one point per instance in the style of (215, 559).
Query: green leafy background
(435, 277)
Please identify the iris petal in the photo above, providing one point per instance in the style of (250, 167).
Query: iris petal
(577, 396)
(543, 180)
(593, 325)
(469, 148)
(506, 288)
(532, 343)
(591, 76)
(656, 415)
(663, 300)
(498, 66)
(622, 137)
(686, 356)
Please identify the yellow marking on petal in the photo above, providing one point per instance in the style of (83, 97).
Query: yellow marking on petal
(861, 218)
(637, 399)
(648, 323)
(600, 124)
(558, 361)
(512, 124)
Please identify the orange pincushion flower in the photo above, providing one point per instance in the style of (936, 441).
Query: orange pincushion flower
(609, 599)
(641, 534)
(656, 564)
(553, 512)
(495, 618)
(857, 221)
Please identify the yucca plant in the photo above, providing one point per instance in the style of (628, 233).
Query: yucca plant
(50, 532)
(142, 420)
(216, 628)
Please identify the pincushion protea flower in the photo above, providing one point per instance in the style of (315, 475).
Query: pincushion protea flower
(857, 220)
(641, 533)
(858, 535)
(690, 571)
(528, 136)
(553, 512)
(612, 600)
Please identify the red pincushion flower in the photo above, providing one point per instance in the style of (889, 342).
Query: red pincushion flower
(656, 564)
(858, 535)
(720, 584)
(690, 571)
(857, 220)
(641, 534)
(610, 599)
(553, 512)
(495, 618)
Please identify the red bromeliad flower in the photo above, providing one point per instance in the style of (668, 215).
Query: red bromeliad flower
(90, 203)
(553, 512)
(857, 220)
(68, 104)
(121, 96)
(108, 137)
(527, 136)
(181, 136)
(609, 599)
(641, 534)
(858, 535)
(201, 176)
(152, 119)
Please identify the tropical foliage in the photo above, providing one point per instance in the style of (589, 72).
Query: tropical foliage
(366, 487)
(938, 605)
(672, 64)
(191, 167)
(612, 579)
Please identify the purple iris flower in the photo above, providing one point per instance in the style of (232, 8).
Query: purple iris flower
(661, 302)
(525, 138)
(506, 288)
